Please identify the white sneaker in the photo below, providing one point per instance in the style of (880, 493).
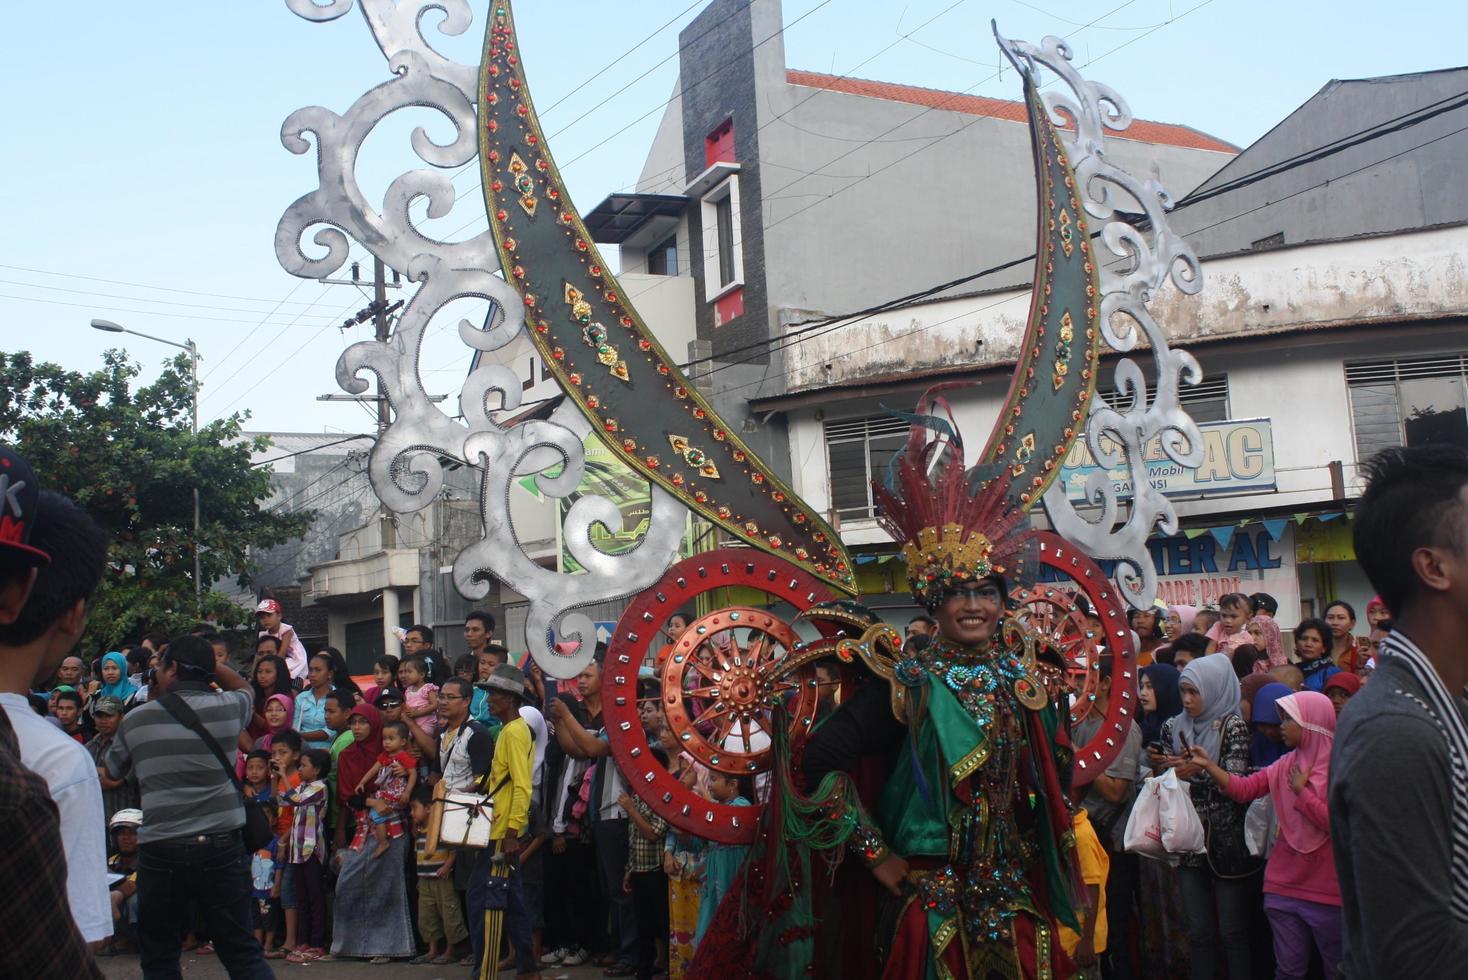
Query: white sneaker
(575, 957)
(555, 957)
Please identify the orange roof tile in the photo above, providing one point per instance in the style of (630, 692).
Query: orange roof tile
(978, 105)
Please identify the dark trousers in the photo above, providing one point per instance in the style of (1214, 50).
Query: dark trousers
(610, 839)
(474, 898)
(310, 902)
(1209, 899)
(572, 910)
(210, 872)
(650, 905)
(519, 924)
(1121, 897)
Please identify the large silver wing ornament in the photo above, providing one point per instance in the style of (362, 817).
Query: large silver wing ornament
(406, 466)
(1144, 256)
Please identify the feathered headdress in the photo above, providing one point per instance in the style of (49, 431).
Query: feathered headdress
(954, 525)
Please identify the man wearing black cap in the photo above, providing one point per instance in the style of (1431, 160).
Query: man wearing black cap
(191, 850)
(32, 646)
(42, 939)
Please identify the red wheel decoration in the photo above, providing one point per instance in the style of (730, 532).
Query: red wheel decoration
(711, 704)
(1052, 606)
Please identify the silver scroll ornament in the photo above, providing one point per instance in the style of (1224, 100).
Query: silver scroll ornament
(407, 460)
(1147, 253)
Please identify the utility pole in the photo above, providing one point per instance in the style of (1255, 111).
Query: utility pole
(379, 319)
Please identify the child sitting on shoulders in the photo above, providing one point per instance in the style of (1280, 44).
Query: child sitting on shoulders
(392, 791)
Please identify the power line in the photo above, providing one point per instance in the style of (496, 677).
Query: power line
(139, 285)
(136, 299)
(313, 449)
(309, 340)
(119, 309)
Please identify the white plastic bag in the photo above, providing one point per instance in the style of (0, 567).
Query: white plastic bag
(1143, 828)
(1261, 829)
(1182, 831)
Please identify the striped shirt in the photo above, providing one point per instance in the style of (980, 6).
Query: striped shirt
(184, 788)
(1443, 707)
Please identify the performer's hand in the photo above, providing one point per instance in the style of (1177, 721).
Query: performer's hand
(891, 873)
(511, 843)
(670, 866)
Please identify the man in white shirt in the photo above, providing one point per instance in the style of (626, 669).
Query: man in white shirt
(267, 613)
(31, 648)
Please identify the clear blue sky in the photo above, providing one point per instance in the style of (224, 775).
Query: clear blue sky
(144, 140)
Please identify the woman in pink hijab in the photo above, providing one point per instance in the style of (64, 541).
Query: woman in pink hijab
(1301, 894)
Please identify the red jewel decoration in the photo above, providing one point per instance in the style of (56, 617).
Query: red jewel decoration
(497, 185)
(575, 378)
(630, 445)
(494, 156)
(680, 392)
(724, 513)
(677, 479)
(663, 370)
(739, 456)
(757, 477)
(699, 413)
(610, 425)
(651, 461)
(798, 518)
(521, 110)
(581, 245)
(566, 220)
(494, 99)
(701, 497)
(530, 299)
(558, 354)
(511, 245)
(493, 126)
(611, 297)
(595, 270)
(542, 327)
(494, 70)
(627, 322)
(513, 60)
(779, 497)
(500, 215)
(775, 541)
(542, 166)
(644, 344)
(515, 84)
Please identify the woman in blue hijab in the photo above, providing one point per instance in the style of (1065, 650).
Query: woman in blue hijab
(115, 683)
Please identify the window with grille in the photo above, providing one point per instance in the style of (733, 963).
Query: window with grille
(1205, 402)
(858, 450)
(1408, 402)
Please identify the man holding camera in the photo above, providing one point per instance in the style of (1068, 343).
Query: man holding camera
(192, 852)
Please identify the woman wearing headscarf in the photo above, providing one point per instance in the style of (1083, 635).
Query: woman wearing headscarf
(115, 682)
(1216, 885)
(1341, 688)
(1267, 743)
(1164, 940)
(277, 714)
(371, 913)
(1264, 633)
(271, 676)
(1178, 622)
(1301, 893)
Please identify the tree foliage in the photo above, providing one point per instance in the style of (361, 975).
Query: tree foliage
(128, 455)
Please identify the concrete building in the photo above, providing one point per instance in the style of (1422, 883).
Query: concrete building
(1334, 323)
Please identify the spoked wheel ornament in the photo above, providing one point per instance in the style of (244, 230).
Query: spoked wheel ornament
(720, 683)
(1050, 607)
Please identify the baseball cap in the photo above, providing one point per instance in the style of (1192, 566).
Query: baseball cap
(107, 706)
(387, 694)
(267, 606)
(19, 492)
(129, 817)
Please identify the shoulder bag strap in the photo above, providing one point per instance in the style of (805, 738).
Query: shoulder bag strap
(175, 705)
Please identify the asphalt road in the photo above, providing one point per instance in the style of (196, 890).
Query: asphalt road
(209, 968)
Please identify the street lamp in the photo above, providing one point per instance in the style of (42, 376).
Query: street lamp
(107, 326)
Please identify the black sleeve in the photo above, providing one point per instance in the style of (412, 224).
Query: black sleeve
(481, 751)
(864, 725)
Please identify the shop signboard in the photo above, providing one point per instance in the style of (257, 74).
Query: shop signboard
(1238, 457)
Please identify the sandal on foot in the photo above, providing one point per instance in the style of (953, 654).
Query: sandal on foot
(380, 960)
(422, 959)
